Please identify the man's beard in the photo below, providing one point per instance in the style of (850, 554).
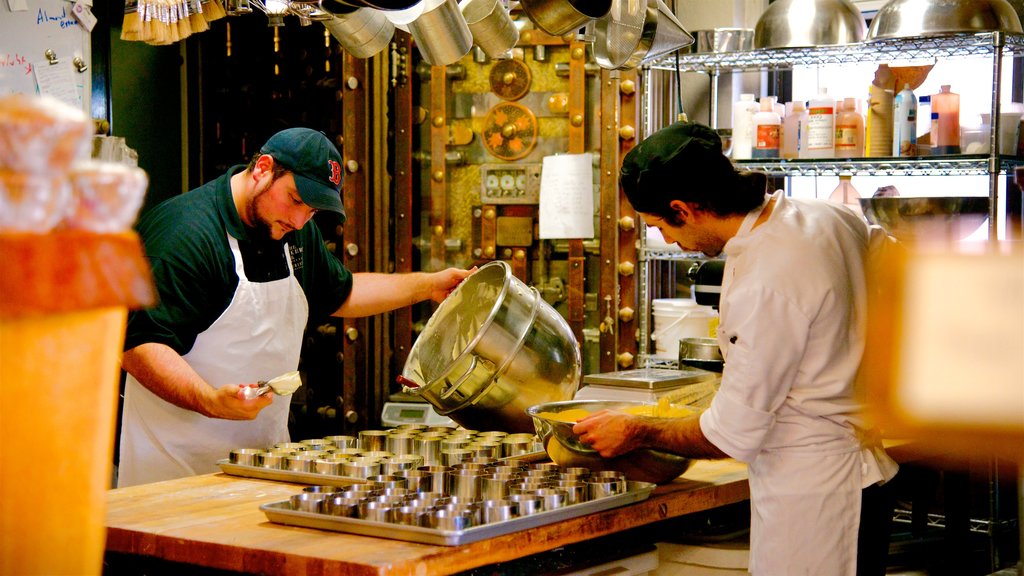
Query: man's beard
(260, 229)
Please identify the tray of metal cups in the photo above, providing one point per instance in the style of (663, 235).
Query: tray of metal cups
(466, 502)
(343, 460)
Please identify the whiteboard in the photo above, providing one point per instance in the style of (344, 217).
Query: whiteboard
(26, 35)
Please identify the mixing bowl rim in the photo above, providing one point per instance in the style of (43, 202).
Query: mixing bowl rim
(505, 287)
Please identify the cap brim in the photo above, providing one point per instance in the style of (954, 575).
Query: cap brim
(319, 196)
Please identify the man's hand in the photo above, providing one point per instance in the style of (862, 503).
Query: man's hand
(609, 432)
(227, 402)
(444, 282)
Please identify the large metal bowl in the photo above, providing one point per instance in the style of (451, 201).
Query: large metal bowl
(809, 23)
(912, 18)
(565, 448)
(927, 219)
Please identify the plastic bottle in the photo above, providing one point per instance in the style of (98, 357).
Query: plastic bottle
(821, 127)
(767, 127)
(904, 123)
(878, 126)
(946, 129)
(794, 130)
(846, 194)
(924, 115)
(849, 130)
(743, 111)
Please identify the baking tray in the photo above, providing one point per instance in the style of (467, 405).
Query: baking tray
(228, 467)
(281, 513)
(649, 378)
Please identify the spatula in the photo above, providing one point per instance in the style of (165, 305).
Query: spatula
(283, 385)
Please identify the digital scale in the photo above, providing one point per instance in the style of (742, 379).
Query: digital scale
(641, 384)
(398, 413)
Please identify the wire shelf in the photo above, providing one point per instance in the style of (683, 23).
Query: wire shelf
(904, 50)
(966, 165)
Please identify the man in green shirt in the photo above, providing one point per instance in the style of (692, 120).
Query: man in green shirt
(240, 269)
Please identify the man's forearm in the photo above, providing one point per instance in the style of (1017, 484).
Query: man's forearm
(165, 373)
(683, 437)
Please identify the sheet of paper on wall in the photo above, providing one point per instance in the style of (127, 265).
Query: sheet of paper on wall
(58, 81)
(567, 196)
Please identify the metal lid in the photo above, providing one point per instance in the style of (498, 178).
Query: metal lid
(649, 378)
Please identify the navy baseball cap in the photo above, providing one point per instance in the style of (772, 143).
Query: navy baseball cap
(315, 164)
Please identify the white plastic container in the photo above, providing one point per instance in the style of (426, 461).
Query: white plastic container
(849, 130)
(794, 130)
(767, 130)
(743, 111)
(678, 318)
(904, 123)
(821, 127)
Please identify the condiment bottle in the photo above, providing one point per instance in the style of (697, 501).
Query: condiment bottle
(846, 194)
(743, 111)
(946, 128)
(767, 126)
(904, 123)
(849, 130)
(924, 115)
(821, 127)
(794, 130)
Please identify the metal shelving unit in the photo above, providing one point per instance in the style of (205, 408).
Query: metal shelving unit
(993, 45)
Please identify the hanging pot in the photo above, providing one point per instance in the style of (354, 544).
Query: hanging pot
(492, 28)
(441, 32)
(557, 17)
(362, 33)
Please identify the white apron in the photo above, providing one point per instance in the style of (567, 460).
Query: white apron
(258, 336)
(805, 502)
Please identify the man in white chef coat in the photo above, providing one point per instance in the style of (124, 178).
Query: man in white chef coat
(240, 269)
(793, 315)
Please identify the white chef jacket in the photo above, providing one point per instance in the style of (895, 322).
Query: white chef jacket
(257, 337)
(793, 315)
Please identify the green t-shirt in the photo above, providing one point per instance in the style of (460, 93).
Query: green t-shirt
(186, 241)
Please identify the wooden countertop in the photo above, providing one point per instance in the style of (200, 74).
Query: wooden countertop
(214, 520)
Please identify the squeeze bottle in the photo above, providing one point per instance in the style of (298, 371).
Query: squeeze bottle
(946, 127)
(794, 130)
(846, 194)
(821, 127)
(849, 130)
(767, 127)
(904, 123)
(743, 111)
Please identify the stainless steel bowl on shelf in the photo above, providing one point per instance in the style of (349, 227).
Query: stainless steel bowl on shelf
(913, 18)
(809, 23)
(927, 219)
(566, 449)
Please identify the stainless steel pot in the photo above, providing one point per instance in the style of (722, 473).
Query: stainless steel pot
(491, 350)
(492, 28)
(362, 33)
(441, 33)
(557, 17)
(702, 353)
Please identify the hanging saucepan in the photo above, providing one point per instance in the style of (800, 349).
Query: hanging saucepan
(441, 33)
(492, 28)
(557, 17)
(362, 33)
(634, 31)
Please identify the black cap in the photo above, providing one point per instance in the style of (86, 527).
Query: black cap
(685, 157)
(314, 162)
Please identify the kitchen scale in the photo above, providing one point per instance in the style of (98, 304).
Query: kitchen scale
(641, 384)
(398, 413)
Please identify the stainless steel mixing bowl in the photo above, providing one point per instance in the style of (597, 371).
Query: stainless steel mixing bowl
(927, 219)
(565, 448)
(912, 18)
(808, 23)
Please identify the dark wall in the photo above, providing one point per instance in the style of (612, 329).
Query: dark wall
(145, 105)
